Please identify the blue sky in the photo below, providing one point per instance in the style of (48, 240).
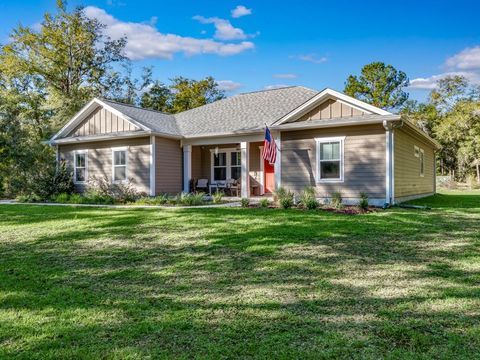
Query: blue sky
(264, 44)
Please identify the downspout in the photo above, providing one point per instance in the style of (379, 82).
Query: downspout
(389, 173)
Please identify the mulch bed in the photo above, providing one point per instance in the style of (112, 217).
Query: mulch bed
(346, 210)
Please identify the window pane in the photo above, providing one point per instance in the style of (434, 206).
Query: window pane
(120, 173)
(236, 160)
(220, 173)
(330, 170)
(220, 159)
(120, 157)
(80, 175)
(80, 161)
(236, 172)
(330, 151)
(422, 163)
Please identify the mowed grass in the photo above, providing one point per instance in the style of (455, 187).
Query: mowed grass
(241, 283)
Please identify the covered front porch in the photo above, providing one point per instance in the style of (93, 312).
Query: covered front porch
(230, 165)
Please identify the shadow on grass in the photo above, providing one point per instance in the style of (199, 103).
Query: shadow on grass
(240, 283)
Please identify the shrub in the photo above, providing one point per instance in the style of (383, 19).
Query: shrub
(472, 182)
(155, 200)
(245, 202)
(308, 198)
(120, 192)
(217, 197)
(286, 202)
(50, 182)
(30, 198)
(191, 199)
(62, 198)
(264, 203)
(336, 200)
(363, 203)
(284, 198)
(76, 199)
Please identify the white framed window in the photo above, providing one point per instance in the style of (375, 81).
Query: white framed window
(226, 164)
(416, 151)
(80, 166)
(422, 162)
(119, 165)
(330, 159)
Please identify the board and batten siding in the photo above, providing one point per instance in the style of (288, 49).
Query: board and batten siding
(168, 167)
(364, 161)
(102, 121)
(99, 159)
(408, 181)
(331, 109)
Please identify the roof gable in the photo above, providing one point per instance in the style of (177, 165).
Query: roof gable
(330, 104)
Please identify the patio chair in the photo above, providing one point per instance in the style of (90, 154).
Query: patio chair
(202, 184)
(233, 186)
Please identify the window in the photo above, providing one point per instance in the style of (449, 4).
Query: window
(80, 167)
(422, 163)
(236, 165)
(330, 159)
(226, 164)
(119, 165)
(416, 151)
(220, 166)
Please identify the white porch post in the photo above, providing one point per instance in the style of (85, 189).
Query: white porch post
(278, 161)
(245, 156)
(389, 180)
(152, 166)
(187, 167)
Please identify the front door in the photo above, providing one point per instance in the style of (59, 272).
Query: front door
(269, 181)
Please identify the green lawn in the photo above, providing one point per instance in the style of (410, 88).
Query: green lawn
(241, 283)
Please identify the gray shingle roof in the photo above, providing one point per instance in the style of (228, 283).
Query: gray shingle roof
(239, 113)
(154, 120)
(242, 112)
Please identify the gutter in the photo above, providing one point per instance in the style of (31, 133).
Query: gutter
(111, 136)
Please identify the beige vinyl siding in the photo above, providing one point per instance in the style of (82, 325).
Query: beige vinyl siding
(364, 161)
(331, 109)
(408, 181)
(99, 159)
(168, 167)
(102, 121)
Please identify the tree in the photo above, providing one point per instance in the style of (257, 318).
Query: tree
(158, 97)
(68, 57)
(181, 95)
(379, 84)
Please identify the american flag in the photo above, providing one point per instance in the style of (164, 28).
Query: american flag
(269, 147)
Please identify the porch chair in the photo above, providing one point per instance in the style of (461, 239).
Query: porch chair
(202, 184)
(233, 186)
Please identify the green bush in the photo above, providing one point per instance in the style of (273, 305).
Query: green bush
(155, 200)
(308, 198)
(217, 197)
(286, 202)
(363, 203)
(245, 202)
(119, 192)
(336, 200)
(62, 198)
(191, 199)
(76, 199)
(30, 198)
(264, 203)
(284, 198)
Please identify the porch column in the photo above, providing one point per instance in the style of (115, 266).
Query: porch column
(245, 157)
(187, 167)
(278, 161)
(152, 166)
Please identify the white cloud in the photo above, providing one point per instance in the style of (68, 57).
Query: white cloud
(468, 59)
(240, 11)
(275, 86)
(224, 30)
(311, 58)
(228, 85)
(145, 41)
(466, 63)
(430, 83)
(285, 76)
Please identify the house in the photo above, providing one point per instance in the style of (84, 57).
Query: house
(325, 139)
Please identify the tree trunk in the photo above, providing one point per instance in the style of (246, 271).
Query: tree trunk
(478, 171)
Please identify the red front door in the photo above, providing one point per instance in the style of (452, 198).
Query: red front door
(269, 171)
